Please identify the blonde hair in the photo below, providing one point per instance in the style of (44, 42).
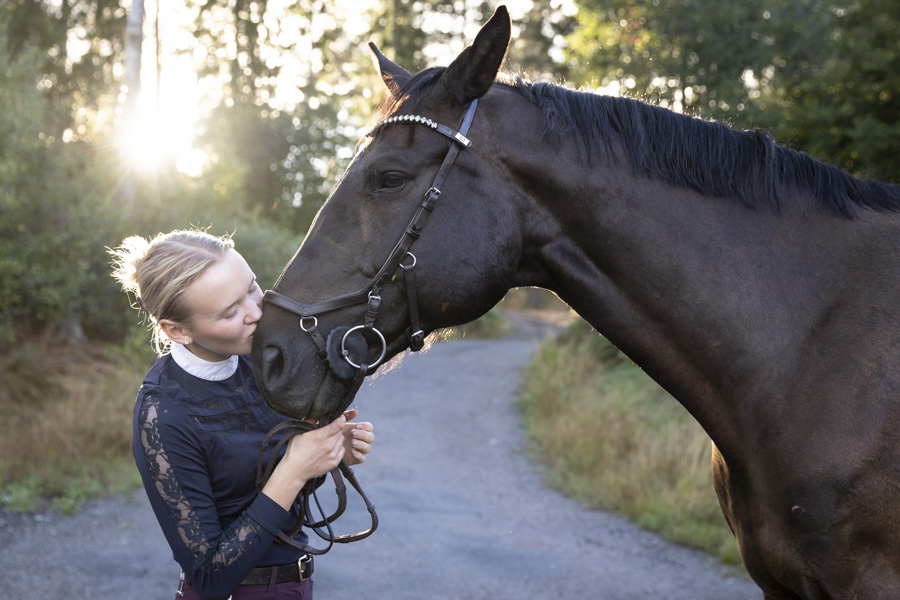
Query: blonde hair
(158, 271)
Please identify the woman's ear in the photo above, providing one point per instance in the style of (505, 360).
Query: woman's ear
(175, 332)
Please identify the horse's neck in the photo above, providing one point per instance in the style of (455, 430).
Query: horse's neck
(709, 297)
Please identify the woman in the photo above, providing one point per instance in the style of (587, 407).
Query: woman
(199, 422)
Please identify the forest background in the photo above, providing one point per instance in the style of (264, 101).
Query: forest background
(269, 101)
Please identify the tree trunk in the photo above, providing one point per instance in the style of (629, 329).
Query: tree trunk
(134, 40)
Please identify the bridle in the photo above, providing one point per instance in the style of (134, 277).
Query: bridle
(338, 349)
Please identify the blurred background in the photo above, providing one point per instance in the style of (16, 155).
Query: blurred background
(121, 117)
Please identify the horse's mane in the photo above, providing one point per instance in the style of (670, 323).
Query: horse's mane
(707, 156)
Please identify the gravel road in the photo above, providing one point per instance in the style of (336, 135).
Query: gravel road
(463, 513)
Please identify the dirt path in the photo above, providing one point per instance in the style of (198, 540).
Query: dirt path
(463, 513)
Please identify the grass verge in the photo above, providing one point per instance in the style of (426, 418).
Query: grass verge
(65, 425)
(613, 439)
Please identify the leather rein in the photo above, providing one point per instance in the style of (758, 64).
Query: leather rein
(340, 348)
(289, 429)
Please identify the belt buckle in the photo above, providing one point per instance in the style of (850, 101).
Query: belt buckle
(300, 561)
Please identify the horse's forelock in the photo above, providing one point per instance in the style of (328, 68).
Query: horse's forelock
(410, 93)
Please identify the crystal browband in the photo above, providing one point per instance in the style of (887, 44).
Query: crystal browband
(416, 119)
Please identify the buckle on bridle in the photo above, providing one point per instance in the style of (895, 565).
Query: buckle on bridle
(417, 340)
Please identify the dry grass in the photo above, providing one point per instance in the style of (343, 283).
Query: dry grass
(65, 424)
(615, 440)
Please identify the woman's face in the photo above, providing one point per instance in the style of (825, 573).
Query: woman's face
(225, 303)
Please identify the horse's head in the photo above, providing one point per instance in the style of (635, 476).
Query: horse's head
(369, 265)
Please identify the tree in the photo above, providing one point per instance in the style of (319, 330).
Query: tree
(287, 154)
(538, 47)
(820, 76)
(47, 230)
(850, 115)
(711, 58)
(80, 45)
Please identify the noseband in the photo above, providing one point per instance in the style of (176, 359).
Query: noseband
(339, 345)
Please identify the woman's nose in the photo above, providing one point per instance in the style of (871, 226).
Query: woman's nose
(255, 311)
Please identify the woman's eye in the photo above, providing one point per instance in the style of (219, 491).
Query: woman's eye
(392, 181)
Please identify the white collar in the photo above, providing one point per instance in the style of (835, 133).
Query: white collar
(203, 369)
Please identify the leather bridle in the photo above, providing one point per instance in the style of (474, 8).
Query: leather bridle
(338, 348)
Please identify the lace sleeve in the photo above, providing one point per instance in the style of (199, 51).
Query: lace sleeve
(173, 468)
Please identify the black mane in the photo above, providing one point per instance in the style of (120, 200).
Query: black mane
(707, 156)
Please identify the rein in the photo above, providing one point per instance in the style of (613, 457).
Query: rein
(341, 348)
(341, 472)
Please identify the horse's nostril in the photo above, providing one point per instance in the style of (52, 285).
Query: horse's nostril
(273, 363)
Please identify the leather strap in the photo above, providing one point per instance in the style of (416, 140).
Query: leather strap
(298, 571)
(307, 496)
(401, 248)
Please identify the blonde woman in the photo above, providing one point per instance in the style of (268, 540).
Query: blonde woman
(199, 422)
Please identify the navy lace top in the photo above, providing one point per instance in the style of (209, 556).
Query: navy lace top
(196, 443)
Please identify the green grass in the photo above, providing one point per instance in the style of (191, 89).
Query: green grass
(612, 438)
(65, 425)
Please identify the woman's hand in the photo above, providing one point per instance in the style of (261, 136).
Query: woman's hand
(308, 456)
(358, 438)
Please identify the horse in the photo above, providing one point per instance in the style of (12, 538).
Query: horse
(759, 286)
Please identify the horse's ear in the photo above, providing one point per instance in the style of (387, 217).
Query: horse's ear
(392, 74)
(475, 69)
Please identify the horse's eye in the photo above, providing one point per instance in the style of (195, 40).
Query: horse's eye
(392, 181)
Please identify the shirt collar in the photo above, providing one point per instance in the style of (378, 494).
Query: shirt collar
(203, 369)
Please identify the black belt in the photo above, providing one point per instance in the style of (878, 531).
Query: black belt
(298, 571)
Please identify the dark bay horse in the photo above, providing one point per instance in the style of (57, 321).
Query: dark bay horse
(760, 287)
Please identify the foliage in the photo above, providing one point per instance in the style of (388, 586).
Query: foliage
(42, 217)
(699, 55)
(81, 45)
(821, 77)
(610, 437)
(850, 115)
(536, 47)
(62, 205)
